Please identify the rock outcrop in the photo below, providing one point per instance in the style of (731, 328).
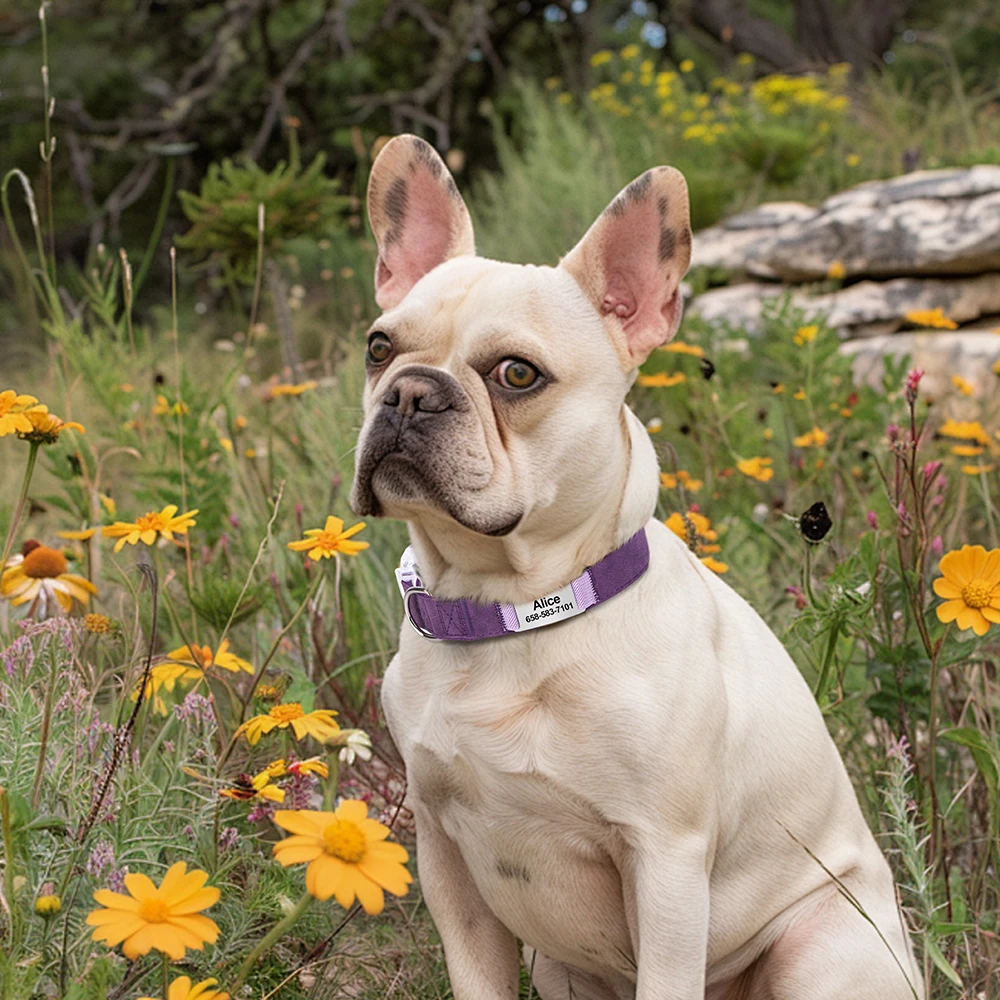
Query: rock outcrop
(865, 258)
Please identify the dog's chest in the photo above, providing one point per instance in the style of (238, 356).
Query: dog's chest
(498, 769)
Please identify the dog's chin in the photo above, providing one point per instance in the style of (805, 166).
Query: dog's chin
(398, 487)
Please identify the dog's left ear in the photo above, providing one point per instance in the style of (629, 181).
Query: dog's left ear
(631, 261)
(417, 215)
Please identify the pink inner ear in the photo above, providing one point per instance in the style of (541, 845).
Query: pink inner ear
(638, 287)
(421, 232)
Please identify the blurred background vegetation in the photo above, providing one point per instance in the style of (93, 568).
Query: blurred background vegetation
(531, 102)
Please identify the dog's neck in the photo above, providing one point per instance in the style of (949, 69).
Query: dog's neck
(552, 548)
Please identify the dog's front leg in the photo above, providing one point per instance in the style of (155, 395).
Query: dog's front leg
(667, 889)
(481, 953)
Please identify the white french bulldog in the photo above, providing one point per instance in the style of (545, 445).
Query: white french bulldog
(645, 795)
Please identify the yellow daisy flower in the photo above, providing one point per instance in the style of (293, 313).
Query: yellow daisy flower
(202, 656)
(661, 380)
(13, 407)
(48, 906)
(931, 317)
(977, 470)
(347, 853)
(679, 347)
(318, 724)
(669, 481)
(805, 333)
(38, 574)
(146, 528)
(46, 427)
(815, 437)
(98, 624)
(78, 536)
(322, 543)
(165, 677)
(964, 430)
(757, 468)
(260, 786)
(313, 765)
(970, 586)
(966, 450)
(181, 989)
(165, 917)
(715, 565)
(702, 526)
(800, 395)
(285, 389)
(965, 387)
(836, 271)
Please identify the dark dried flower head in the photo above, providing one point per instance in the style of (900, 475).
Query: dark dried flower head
(707, 368)
(815, 523)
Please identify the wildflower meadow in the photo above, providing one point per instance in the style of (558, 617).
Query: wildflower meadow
(198, 796)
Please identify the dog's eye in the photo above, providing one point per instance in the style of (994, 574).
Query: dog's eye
(379, 348)
(513, 373)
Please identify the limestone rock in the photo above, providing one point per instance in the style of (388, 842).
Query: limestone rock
(731, 243)
(930, 222)
(867, 308)
(970, 353)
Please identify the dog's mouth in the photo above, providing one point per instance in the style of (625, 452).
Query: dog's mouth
(390, 481)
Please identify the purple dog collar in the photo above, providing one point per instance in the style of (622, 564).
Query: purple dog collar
(468, 621)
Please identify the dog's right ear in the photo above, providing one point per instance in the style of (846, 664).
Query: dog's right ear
(417, 215)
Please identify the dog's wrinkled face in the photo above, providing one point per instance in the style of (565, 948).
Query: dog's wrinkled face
(495, 390)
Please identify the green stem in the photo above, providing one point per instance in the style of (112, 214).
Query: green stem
(157, 230)
(36, 785)
(824, 670)
(165, 974)
(265, 943)
(333, 781)
(21, 501)
(8, 868)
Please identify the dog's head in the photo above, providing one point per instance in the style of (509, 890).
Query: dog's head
(495, 391)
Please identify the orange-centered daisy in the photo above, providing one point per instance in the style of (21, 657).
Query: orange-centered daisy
(970, 586)
(167, 918)
(39, 575)
(347, 853)
(146, 528)
(322, 543)
(319, 724)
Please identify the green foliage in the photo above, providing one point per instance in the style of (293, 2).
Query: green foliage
(224, 214)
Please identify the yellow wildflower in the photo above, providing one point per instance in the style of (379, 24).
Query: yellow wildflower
(48, 906)
(931, 317)
(165, 917)
(348, 854)
(661, 380)
(964, 387)
(970, 586)
(686, 65)
(319, 723)
(805, 333)
(182, 989)
(964, 430)
(38, 574)
(715, 565)
(145, 529)
(977, 470)
(322, 543)
(600, 58)
(836, 271)
(815, 437)
(46, 427)
(757, 468)
(12, 412)
(285, 389)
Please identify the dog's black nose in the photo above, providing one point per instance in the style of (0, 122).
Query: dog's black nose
(419, 393)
